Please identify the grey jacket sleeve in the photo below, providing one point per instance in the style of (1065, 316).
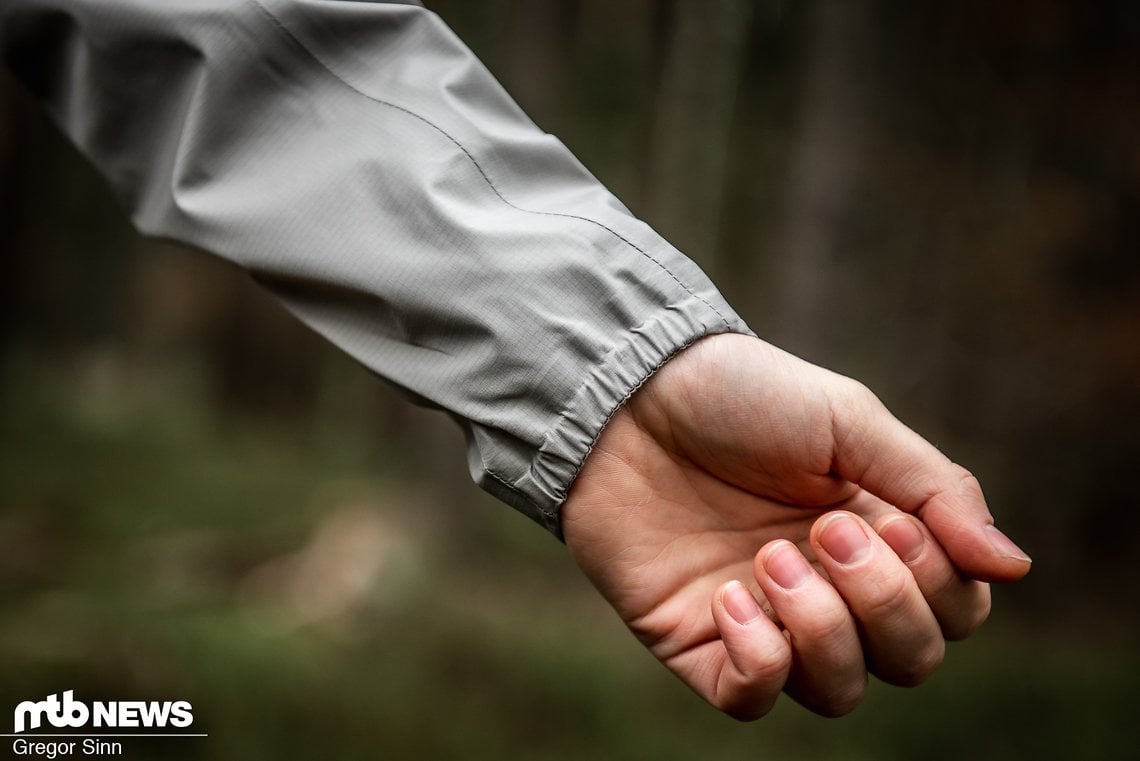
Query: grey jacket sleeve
(361, 164)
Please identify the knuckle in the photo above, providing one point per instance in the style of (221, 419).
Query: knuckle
(887, 599)
(967, 481)
(747, 701)
(828, 630)
(858, 391)
(966, 623)
(770, 667)
(946, 584)
(927, 663)
(748, 689)
(844, 701)
(964, 476)
(919, 667)
(855, 397)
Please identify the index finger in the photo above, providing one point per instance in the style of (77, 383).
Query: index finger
(876, 451)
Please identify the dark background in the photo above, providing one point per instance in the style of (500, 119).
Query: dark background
(200, 500)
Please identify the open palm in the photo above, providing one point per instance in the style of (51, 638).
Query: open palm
(764, 525)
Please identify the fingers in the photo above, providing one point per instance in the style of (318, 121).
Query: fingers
(876, 451)
(901, 636)
(828, 674)
(890, 600)
(959, 603)
(759, 656)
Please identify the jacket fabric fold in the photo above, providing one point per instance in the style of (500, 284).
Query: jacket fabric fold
(362, 165)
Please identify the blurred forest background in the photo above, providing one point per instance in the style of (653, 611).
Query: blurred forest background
(201, 500)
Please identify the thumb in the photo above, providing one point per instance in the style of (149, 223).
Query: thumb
(880, 454)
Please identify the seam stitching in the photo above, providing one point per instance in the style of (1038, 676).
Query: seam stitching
(321, 62)
(563, 493)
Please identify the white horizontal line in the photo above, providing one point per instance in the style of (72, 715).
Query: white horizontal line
(102, 734)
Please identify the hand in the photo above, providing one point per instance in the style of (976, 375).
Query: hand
(764, 525)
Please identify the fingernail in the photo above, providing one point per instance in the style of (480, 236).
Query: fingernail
(1005, 546)
(904, 538)
(740, 603)
(787, 566)
(845, 540)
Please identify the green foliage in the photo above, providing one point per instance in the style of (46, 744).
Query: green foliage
(149, 553)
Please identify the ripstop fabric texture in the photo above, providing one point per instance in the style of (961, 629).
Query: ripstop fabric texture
(361, 164)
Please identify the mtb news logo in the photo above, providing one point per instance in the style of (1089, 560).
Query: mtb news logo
(71, 713)
(102, 720)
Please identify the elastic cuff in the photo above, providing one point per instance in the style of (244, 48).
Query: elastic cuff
(543, 488)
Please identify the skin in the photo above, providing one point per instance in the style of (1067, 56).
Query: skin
(764, 525)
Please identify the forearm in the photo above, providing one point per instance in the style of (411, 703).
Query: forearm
(359, 161)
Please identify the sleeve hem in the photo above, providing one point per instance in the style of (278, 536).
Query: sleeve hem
(542, 489)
